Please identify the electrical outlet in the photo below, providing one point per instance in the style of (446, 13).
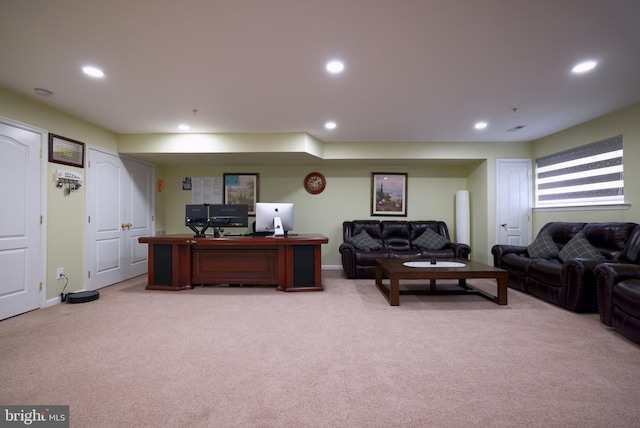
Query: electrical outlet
(59, 273)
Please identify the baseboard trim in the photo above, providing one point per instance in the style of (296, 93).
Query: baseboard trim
(332, 267)
(56, 300)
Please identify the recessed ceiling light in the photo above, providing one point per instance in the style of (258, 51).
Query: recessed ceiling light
(330, 125)
(480, 125)
(335, 67)
(93, 71)
(585, 66)
(184, 127)
(43, 92)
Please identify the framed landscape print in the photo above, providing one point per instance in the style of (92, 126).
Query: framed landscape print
(241, 189)
(389, 194)
(66, 151)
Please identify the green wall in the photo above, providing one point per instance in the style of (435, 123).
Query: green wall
(431, 192)
(431, 186)
(64, 214)
(436, 171)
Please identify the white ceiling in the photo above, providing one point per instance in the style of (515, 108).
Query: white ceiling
(416, 70)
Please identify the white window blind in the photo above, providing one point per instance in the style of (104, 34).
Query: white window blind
(587, 175)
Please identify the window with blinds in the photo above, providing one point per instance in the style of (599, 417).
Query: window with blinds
(587, 175)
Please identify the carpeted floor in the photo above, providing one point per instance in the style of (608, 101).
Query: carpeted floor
(256, 357)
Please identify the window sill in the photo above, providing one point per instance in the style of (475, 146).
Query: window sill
(585, 208)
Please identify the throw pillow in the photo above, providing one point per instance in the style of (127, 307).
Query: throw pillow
(364, 241)
(543, 247)
(579, 247)
(430, 240)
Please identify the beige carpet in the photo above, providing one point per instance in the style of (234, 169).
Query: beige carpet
(256, 357)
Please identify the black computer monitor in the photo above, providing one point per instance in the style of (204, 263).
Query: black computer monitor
(197, 215)
(229, 215)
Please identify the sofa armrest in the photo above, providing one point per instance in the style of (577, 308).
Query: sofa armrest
(500, 250)
(580, 291)
(608, 275)
(460, 250)
(346, 246)
(613, 273)
(348, 255)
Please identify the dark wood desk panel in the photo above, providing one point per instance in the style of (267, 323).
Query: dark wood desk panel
(177, 262)
(246, 265)
(169, 264)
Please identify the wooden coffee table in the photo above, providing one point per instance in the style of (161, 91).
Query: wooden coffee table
(396, 269)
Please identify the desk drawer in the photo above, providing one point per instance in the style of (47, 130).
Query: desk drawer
(229, 266)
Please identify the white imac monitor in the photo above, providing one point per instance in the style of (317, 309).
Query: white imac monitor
(274, 217)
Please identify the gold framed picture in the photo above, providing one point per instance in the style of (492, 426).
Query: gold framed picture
(389, 194)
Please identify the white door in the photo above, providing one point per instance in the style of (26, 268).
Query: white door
(21, 243)
(138, 216)
(119, 210)
(514, 201)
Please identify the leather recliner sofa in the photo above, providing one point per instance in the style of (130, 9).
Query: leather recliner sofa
(567, 279)
(394, 239)
(619, 298)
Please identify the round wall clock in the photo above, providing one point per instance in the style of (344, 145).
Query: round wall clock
(315, 183)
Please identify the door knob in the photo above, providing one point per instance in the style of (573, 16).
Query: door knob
(504, 225)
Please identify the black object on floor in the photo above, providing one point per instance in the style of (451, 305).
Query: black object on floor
(82, 296)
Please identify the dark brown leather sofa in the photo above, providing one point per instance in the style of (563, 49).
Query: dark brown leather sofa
(393, 239)
(619, 298)
(569, 280)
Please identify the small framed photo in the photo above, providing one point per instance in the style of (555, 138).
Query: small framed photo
(66, 151)
(241, 189)
(389, 194)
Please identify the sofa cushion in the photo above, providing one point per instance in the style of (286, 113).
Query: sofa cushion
(430, 240)
(369, 259)
(516, 264)
(363, 241)
(543, 247)
(546, 271)
(395, 235)
(579, 247)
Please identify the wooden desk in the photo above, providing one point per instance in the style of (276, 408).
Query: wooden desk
(177, 262)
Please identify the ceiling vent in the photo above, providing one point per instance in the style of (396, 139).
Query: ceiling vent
(516, 128)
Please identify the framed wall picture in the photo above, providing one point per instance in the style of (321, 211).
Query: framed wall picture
(241, 189)
(389, 194)
(66, 151)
